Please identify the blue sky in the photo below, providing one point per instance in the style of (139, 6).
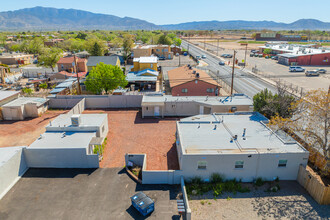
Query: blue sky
(178, 11)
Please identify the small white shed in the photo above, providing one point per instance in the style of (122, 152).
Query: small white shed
(24, 107)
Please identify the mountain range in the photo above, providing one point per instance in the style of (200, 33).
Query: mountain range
(42, 18)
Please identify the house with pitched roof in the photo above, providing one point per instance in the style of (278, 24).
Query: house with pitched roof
(68, 63)
(188, 81)
(109, 60)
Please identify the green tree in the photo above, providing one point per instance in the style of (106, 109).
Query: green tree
(261, 99)
(177, 42)
(172, 36)
(127, 45)
(27, 91)
(270, 105)
(165, 40)
(96, 50)
(43, 86)
(267, 51)
(81, 36)
(95, 46)
(105, 78)
(50, 57)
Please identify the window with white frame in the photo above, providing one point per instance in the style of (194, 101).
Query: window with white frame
(184, 90)
(151, 65)
(282, 163)
(201, 165)
(239, 164)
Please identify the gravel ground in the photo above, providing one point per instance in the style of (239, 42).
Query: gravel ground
(291, 202)
(23, 133)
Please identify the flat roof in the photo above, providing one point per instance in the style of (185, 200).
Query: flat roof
(7, 94)
(213, 134)
(131, 77)
(24, 100)
(8, 152)
(87, 120)
(145, 60)
(71, 139)
(297, 50)
(237, 99)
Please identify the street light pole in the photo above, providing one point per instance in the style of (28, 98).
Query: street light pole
(232, 75)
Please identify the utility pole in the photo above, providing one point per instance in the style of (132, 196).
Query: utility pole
(232, 75)
(245, 54)
(75, 69)
(204, 42)
(218, 47)
(179, 60)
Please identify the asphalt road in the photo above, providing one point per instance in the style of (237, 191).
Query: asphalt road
(243, 82)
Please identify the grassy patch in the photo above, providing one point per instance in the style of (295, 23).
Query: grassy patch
(251, 42)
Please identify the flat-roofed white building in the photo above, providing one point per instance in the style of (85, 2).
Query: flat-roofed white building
(238, 145)
(166, 105)
(69, 142)
(24, 107)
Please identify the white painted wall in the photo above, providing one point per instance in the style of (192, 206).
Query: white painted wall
(263, 165)
(11, 171)
(60, 158)
(97, 101)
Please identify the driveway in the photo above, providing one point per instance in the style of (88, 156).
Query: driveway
(83, 194)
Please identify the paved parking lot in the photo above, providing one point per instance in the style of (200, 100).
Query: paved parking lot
(129, 133)
(83, 194)
(22, 133)
(270, 68)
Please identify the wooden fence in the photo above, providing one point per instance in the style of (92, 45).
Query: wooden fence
(314, 186)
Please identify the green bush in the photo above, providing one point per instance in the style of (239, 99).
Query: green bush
(217, 189)
(196, 180)
(216, 178)
(259, 182)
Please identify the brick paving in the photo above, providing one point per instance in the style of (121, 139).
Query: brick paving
(129, 133)
(23, 133)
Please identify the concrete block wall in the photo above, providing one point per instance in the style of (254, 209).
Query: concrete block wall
(97, 101)
(12, 170)
(60, 158)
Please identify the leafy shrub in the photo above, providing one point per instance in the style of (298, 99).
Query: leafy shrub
(259, 182)
(196, 180)
(216, 178)
(217, 189)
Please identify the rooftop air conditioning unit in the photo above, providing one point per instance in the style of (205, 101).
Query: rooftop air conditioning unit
(197, 75)
(194, 72)
(76, 120)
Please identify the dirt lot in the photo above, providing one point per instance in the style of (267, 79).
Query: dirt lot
(129, 133)
(291, 202)
(22, 133)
